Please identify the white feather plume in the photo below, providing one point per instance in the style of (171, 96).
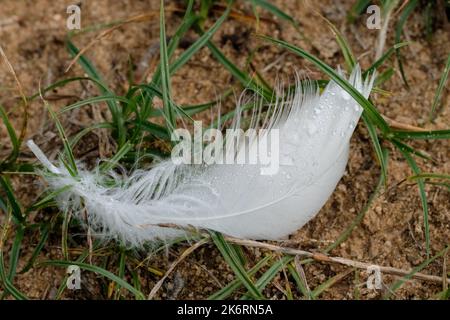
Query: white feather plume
(314, 135)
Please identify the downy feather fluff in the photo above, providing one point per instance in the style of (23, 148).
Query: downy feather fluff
(314, 135)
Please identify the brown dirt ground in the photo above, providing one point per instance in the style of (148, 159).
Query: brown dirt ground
(32, 35)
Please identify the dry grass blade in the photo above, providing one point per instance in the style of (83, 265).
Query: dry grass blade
(402, 126)
(241, 16)
(88, 235)
(134, 19)
(187, 252)
(444, 272)
(388, 10)
(330, 282)
(138, 18)
(301, 273)
(22, 95)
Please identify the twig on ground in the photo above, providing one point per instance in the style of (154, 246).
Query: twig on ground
(320, 257)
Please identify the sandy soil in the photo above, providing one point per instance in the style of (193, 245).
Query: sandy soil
(32, 35)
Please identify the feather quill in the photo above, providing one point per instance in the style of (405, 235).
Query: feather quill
(314, 134)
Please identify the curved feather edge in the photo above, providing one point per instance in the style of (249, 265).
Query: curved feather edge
(236, 199)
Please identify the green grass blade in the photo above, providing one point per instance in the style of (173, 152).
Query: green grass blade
(14, 205)
(357, 9)
(87, 66)
(228, 290)
(423, 197)
(229, 115)
(62, 83)
(406, 148)
(232, 260)
(440, 88)
(44, 236)
(188, 20)
(407, 11)
(329, 283)
(5, 279)
(107, 98)
(43, 203)
(114, 161)
(255, 13)
(168, 107)
(370, 109)
(8, 286)
(205, 6)
(122, 265)
(299, 281)
(377, 64)
(122, 283)
(420, 267)
(376, 145)
(428, 17)
(241, 76)
(439, 184)
(15, 252)
(71, 165)
(268, 276)
(200, 43)
(349, 57)
(231, 67)
(240, 254)
(154, 129)
(383, 77)
(192, 110)
(65, 233)
(421, 135)
(3, 205)
(12, 135)
(430, 176)
(269, 6)
(113, 107)
(83, 256)
(75, 139)
(136, 280)
(344, 235)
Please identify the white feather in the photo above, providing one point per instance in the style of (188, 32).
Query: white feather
(237, 200)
